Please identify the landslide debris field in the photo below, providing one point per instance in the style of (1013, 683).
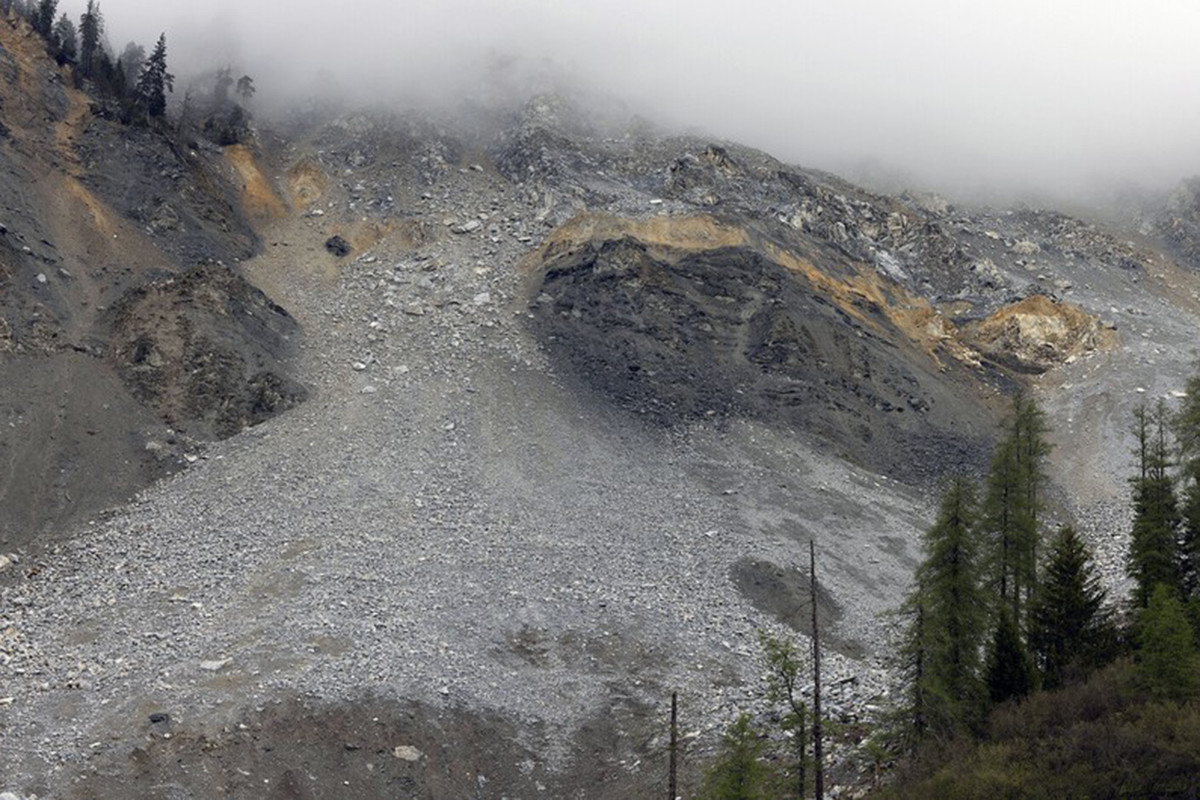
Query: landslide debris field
(563, 406)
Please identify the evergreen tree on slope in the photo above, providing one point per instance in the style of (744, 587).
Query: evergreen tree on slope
(952, 613)
(155, 81)
(1070, 631)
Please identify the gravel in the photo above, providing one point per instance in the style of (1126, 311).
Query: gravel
(448, 521)
(444, 521)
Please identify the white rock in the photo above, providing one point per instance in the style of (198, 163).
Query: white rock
(483, 298)
(41, 277)
(215, 666)
(404, 752)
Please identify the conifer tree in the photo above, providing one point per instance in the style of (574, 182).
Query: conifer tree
(1166, 655)
(1009, 668)
(245, 88)
(224, 80)
(155, 81)
(1154, 548)
(738, 773)
(914, 655)
(785, 668)
(66, 43)
(1186, 426)
(1012, 505)
(91, 27)
(951, 617)
(43, 17)
(1001, 519)
(1069, 627)
(1032, 448)
(133, 58)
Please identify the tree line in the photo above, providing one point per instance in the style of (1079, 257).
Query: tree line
(993, 620)
(131, 87)
(1005, 609)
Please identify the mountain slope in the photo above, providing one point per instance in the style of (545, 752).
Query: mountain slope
(506, 506)
(91, 214)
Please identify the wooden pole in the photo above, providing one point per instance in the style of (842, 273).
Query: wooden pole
(819, 792)
(673, 781)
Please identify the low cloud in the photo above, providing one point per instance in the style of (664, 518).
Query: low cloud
(1051, 97)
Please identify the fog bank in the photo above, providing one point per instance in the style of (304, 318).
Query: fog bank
(1053, 97)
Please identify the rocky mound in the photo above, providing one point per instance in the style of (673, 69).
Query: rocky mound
(204, 350)
(686, 319)
(1038, 333)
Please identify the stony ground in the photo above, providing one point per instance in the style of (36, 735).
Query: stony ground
(473, 574)
(446, 522)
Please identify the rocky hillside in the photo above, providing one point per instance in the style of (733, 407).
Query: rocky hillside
(579, 396)
(101, 226)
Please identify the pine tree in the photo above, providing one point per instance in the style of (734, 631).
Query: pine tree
(1154, 548)
(951, 617)
(1186, 427)
(1009, 668)
(43, 17)
(914, 653)
(1001, 518)
(1069, 627)
(1032, 449)
(1012, 505)
(65, 41)
(155, 81)
(221, 88)
(91, 27)
(1166, 656)
(784, 670)
(738, 773)
(245, 88)
(133, 57)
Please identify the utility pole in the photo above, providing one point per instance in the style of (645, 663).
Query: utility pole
(673, 781)
(816, 644)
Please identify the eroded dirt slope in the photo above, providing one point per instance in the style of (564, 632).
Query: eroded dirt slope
(92, 213)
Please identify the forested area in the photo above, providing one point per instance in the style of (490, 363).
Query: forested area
(1023, 676)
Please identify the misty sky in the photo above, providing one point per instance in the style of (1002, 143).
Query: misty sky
(1058, 95)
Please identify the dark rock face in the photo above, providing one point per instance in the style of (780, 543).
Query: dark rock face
(205, 350)
(338, 246)
(729, 332)
(180, 197)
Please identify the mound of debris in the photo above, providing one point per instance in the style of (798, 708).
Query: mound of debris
(204, 351)
(1038, 333)
(692, 318)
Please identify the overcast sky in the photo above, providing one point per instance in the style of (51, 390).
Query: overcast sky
(1056, 94)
